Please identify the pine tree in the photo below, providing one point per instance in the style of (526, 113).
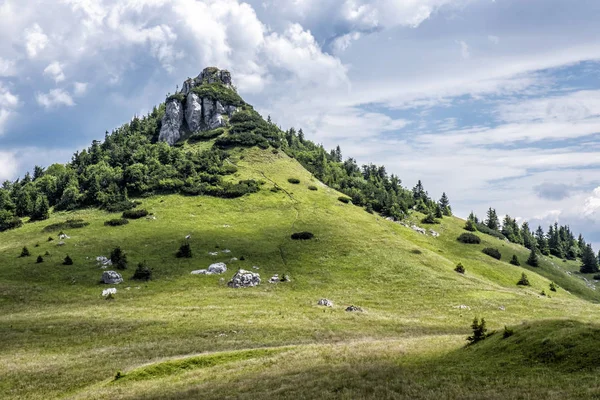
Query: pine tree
(68, 260)
(42, 209)
(533, 259)
(524, 281)
(25, 252)
(528, 238)
(515, 260)
(589, 262)
(492, 221)
(118, 258)
(40, 259)
(470, 226)
(473, 217)
(185, 251)
(438, 211)
(444, 204)
(479, 331)
(542, 242)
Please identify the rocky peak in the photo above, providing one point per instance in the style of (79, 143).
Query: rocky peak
(204, 103)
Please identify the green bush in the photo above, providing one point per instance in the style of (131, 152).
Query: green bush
(533, 259)
(469, 238)
(39, 260)
(302, 236)
(206, 135)
(25, 252)
(470, 226)
(494, 253)
(524, 281)
(459, 268)
(185, 251)
(116, 222)
(118, 258)
(119, 206)
(219, 92)
(177, 96)
(10, 222)
(312, 187)
(515, 260)
(68, 260)
(430, 219)
(484, 229)
(142, 272)
(344, 199)
(135, 214)
(68, 224)
(553, 287)
(479, 331)
(507, 332)
(295, 181)
(244, 139)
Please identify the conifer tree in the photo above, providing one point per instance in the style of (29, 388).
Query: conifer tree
(541, 241)
(444, 204)
(515, 260)
(533, 259)
(589, 262)
(492, 221)
(42, 209)
(470, 226)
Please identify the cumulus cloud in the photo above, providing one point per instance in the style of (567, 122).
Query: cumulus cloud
(35, 40)
(553, 191)
(8, 162)
(591, 207)
(54, 98)
(8, 103)
(7, 68)
(54, 71)
(79, 88)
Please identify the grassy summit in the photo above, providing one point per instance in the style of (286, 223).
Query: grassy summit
(236, 196)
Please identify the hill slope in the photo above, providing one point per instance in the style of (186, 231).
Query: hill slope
(61, 338)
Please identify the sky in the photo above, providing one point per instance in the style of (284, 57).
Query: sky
(495, 102)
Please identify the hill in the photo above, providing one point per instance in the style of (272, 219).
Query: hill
(182, 335)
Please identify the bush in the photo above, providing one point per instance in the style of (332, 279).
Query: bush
(597, 277)
(142, 272)
(116, 222)
(479, 331)
(119, 206)
(10, 223)
(118, 258)
(553, 287)
(430, 219)
(543, 293)
(68, 260)
(469, 238)
(459, 268)
(135, 214)
(524, 281)
(25, 252)
(206, 135)
(302, 236)
(494, 253)
(344, 199)
(470, 226)
(515, 260)
(219, 92)
(295, 181)
(244, 139)
(185, 251)
(312, 187)
(177, 96)
(68, 224)
(507, 332)
(39, 260)
(484, 229)
(50, 238)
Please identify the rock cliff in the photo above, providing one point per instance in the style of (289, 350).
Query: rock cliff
(204, 103)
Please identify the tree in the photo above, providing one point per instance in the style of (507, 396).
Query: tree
(142, 272)
(473, 217)
(118, 258)
(528, 237)
(541, 241)
(515, 260)
(42, 209)
(40, 259)
(533, 259)
(185, 251)
(524, 281)
(479, 331)
(68, 260)
(444, 204)
(589, 262)
(470, 226)
(492, 221)
(438, 211)
(25, 252)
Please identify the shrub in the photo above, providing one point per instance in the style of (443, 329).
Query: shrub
(219, 92)
(25, 252)
(295, 181)
(459, 268)
(494, 253)
(470, 226)
(119, 375)
(68, 224)
(135, 214)
(416, 251)
(515, 260)
(524, 281)
(275, 189)
(553, 286)
(430, 219)
(68, 260)
(177, 96)
(142, 272)
(118, 258)
(50, 238)
(119, 206)
(206, 135)
(369, 208)
(116, 222)
(312, 187)
(229, 169)
(39, 260)
(543, 293)
(484, 229)
(533, 259)
(244, 139)
(185, 251)
(469, 238)
(10, 223)
(47, 253)
(479, 331)
(344, 199)
(597, 277)
(302, 236)
(507, 332)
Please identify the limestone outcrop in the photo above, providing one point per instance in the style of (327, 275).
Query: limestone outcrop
(204, 103)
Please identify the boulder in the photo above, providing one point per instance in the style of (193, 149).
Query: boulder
(170, 130)
(418, 229)
(274, 279)
(213, 269)
(244, 278)
(111, 277)
(434, 233)
(325, 303)
(354, 309)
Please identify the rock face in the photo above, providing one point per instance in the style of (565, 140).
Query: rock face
(111, 277)
(244, 278)
(187, 112)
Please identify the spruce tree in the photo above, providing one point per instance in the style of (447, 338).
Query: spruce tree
(444, 204)
(118, 258)
(42, 209)
(492, 221)
(473, 217)
(438, 211)
(524, 281)
(533, 259)
(470, 226)
(68, 260)
(515, 260)
(589, 262)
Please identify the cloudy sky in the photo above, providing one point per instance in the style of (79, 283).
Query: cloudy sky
(496, 102)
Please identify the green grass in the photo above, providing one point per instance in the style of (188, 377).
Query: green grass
(60, 338)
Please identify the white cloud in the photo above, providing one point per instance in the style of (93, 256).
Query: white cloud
(35, 40)
(8, 163)
(54, 98)
(54, 71)
(464, 49)
(494, 39)
(8, 103)
(79, 88)
(341, 43)
(591, 206)
(7, 68)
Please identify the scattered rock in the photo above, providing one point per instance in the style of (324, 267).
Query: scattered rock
(255, 267)
(434, 233)
(226, 226)
(215, 253)
(226, 251)
(325, 303)
(244, 278)
(285, 278)
(418, 229)
(61, 243)
(213, 269)
(103, 262)
(63, 236)
(233, 259)
(274, 279)
(502, 308)
(188, 237)
(354, 309)
(462, 307)
(151, 217)
(111, 277)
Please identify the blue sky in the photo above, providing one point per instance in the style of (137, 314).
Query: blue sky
(495, 102)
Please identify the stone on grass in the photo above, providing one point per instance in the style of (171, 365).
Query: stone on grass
(111, 277)
(274, 279)
(354, 309)
(434, 233)
(325, 303)
(244, 278)
(418, 229)
(213, 269)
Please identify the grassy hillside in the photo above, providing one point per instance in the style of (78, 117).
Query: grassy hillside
(60, 338)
